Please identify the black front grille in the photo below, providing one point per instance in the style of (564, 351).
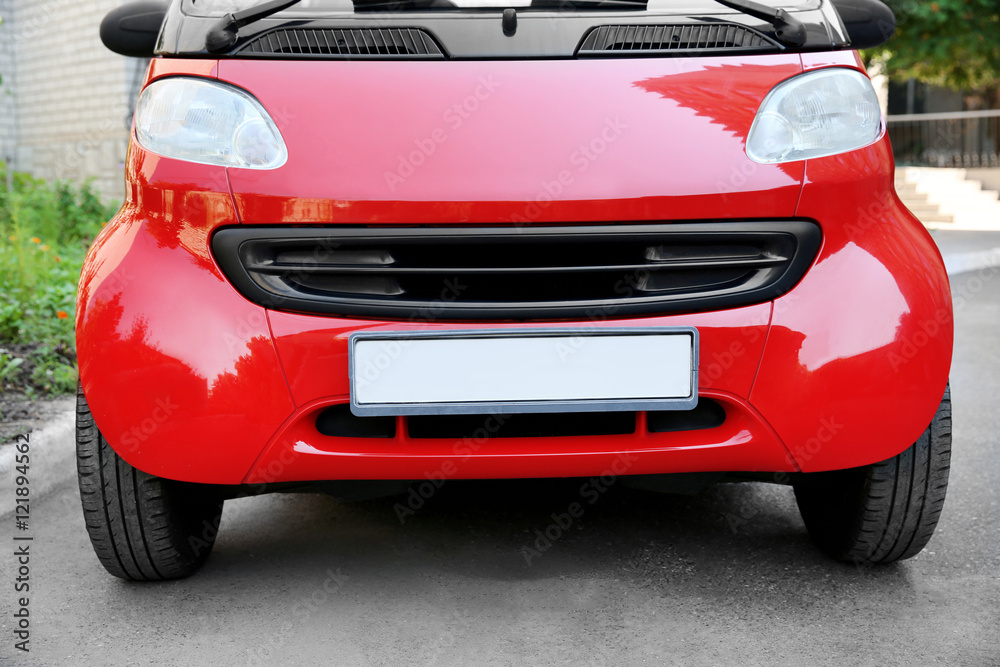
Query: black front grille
(354, 43)
(516, 273)
(548, 425)
(641, 40)
(338, 421)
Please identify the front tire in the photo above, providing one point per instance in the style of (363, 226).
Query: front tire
(886, 511)
(142, 527)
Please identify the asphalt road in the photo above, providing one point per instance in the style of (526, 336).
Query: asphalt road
(724, 577)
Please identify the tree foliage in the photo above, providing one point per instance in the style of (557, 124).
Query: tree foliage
(951, 43)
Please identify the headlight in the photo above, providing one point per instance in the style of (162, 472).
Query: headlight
(816, 114)
(207, 122)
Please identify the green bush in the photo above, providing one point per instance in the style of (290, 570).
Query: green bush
(45, 230)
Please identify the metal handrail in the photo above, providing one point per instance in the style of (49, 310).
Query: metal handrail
(949, 115)
(952, 139)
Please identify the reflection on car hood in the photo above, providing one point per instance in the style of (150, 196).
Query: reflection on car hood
(558, 140)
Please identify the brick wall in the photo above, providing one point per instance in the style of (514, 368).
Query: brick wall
(72, 98)
(8, 117)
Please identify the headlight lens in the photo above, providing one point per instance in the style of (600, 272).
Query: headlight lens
(207, 122)
(820, 113)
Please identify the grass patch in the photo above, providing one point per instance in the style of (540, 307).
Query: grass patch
(45, 230)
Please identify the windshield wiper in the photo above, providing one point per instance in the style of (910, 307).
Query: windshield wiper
(788, 29)
(223, 35)
(597, 4)
(416, 5)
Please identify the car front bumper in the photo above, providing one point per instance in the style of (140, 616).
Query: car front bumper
(190, 380)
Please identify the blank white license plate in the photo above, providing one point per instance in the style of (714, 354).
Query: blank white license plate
(534, 370)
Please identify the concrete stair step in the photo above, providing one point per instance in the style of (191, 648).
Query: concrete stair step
(971, 209)
(977, 221)
(935, 217)
(922, 207)
(948, 197)
(909, 191)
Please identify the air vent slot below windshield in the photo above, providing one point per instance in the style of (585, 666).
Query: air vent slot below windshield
(353, 44)
(639, 40)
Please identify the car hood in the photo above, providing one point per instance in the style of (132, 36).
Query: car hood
(514, 141)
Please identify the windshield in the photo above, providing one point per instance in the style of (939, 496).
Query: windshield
(319, 7)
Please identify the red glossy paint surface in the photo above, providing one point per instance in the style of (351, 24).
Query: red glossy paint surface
(190, 381)
(161, 67)
(514, 141)
(863, 344)
(180, 372)
(818, 59)
(743, 442)
(313, 350)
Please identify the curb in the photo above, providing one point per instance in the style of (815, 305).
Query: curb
(52, 460)
(972, 261)
(53, 448)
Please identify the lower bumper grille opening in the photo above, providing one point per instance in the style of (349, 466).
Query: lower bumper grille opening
(340, 422)
(707, 414)
(550, 425)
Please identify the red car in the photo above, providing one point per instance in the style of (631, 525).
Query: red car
(422, 240)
